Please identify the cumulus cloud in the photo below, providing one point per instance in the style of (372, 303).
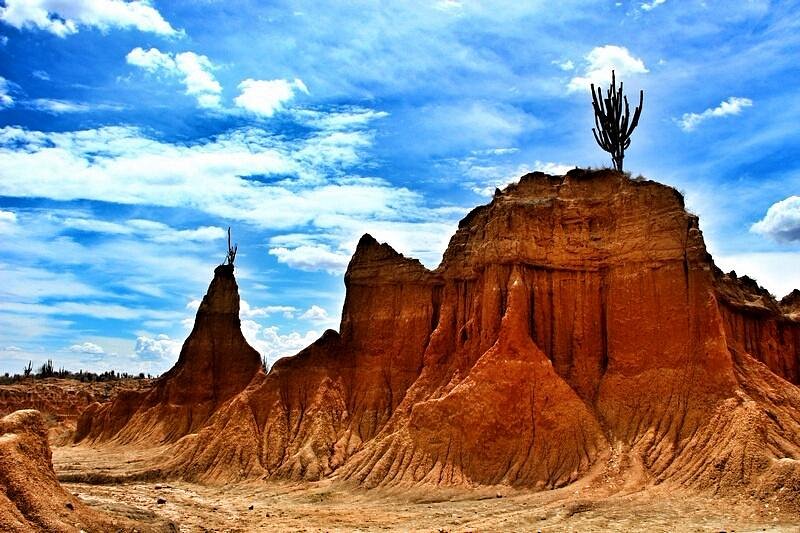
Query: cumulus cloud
(106, 164)
(732, 106)
(248, 311)
(489, 176)
(600, 61)
(271, 344)
(266, 97)
(782, 221)
(316, 314)
(160, 348)
(312, 258)
(64, 18)
(87, 347)
(5, 98)
(195, 71)
(564, 65)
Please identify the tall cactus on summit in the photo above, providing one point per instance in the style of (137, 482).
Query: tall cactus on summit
(613, 123)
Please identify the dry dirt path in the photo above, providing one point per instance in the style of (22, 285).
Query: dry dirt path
(330, 506)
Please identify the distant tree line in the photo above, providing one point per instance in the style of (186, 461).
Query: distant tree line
(47, 370)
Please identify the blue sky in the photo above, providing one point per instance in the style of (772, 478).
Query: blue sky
(132, 134)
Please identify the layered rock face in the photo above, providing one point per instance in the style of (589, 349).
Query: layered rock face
(575, 322)
(214, 365)
(31, 499)
(758, 325)
(61, 401)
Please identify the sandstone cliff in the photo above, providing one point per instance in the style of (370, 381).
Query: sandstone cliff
(576, 328)
(214, 365)
(61, 401)
(31, 498)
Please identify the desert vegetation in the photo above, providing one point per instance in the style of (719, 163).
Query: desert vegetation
(613, 122)
(48, 370)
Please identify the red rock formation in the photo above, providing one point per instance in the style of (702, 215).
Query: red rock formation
(758, 325)
(61, 401)
(572, 320)
(214, 365)
(31, 499)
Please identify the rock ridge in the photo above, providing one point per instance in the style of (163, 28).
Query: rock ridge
(215, 364)
(575, 322)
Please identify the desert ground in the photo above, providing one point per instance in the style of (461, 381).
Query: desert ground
(335, 506)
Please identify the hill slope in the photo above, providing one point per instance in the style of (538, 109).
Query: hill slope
(576, 328)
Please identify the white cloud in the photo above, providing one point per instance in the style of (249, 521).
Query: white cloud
(8, 217)
(600, 61)
(95, 309)
(316, 314)
(271, 344)
(447, 5)
(455, 127)
(198, 78)
(23, 282)
(58, 107)
(782, 220)
(491, 176)
(147, 229)
(648, 6)
(87, 347)
(64, 18)
(5, 99)
(41, 74)
(194, 69)
(265, 97)
(106, 164)
(327, 211)
(338, 119)
(247, 311)
(159, 349)
(312, 258)
(731, 106)
(564, 65)
(151, 60)
(778, 272)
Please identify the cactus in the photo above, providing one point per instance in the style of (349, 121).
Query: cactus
(613, 124)
(231, 251)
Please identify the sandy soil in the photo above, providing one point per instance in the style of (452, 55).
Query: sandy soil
(333, 506)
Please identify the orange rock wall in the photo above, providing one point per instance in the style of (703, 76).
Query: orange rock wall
(572, 320)
(214, 365)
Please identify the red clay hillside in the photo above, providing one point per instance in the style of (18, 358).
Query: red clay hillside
(576, 329)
